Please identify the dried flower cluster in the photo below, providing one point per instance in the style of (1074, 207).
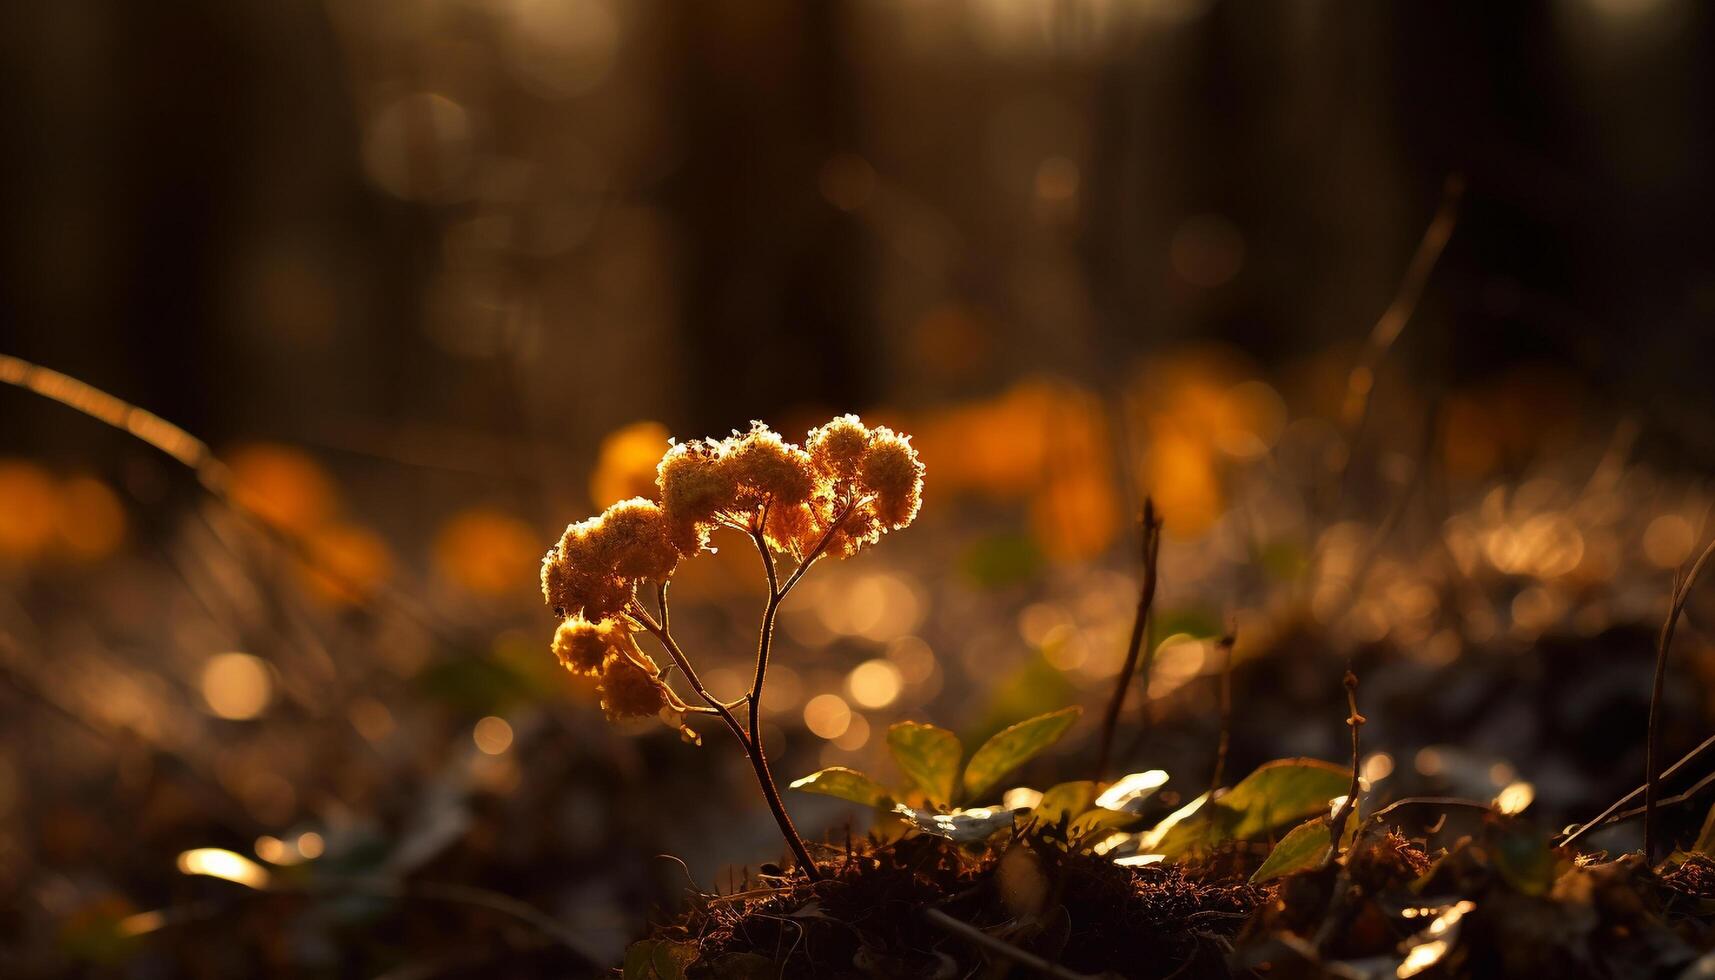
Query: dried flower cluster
(846, 487)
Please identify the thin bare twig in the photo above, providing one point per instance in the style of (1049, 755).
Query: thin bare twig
(1405, 801)
(1150, 527)
(1652, 749)
(211, 473)
(1355, 721)
(1225, 646)
(1355, 409)
(1003, 948)
(1613, 812)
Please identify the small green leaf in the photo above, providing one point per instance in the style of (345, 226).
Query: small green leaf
(929, 757)
(1525, 859)
(1130, 791)
(1064, 800)
(1100, 819)
(1280, 792)
(1013, 747)
(1276, 794)
(964, 826)
(1706, 837)
(1303, 848)
(847, 784)
(658, 959)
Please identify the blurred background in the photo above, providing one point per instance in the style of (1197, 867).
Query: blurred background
(435, 277)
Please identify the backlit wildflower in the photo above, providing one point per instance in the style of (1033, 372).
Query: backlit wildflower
(581, 645)
(837, 448)
(628, 689)
(848, 486)
(598, 562)
(892, 472)
(767, 470)
(696, 487)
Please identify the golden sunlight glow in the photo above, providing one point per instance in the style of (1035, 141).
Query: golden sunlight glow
(827, 716)
(350, 563)
(492, 735)
(142, 923)
(1668, 541)
(283, 486)
(856, 735)
(274, 850)
(875, 683)
(487, 552)
(1377, 767)
(1515, 798)
(28, 507)
(625, 463)
(237, 686)
(217, 862)
(91, 519)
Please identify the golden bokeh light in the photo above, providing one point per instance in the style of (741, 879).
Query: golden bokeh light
(856, 735)
(487, 552)
(492, 735)
(625, 463)
(217, 862)
(91, 519)
(827, 716)
(274, 850)
(29, 510)
(237, 686)
(1669, 540)
(344, 563)
(283, 486)
(875, 683)
(1515, 798)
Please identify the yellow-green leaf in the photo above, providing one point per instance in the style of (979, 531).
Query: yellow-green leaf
(929, 757)
(847, 784)
(1101, 819)
(658, 959)
(1276, 794)
(1131, 790)
(1280, 792)
(964, 826)
(1064, 800)
(1303, 848)
(1706, 837)
(1013, 747)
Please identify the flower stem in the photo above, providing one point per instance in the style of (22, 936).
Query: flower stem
(1151, 526)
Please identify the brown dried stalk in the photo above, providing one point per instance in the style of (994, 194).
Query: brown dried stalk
(1151, 549)
(1652, 748)
(1355, 721)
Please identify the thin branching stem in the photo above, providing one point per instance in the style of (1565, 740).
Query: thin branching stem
(1355, 721)
(752, 746)
(1001, 947)
(1225, 646)
(1652, 748)
(1151, 548)
(1614, 811)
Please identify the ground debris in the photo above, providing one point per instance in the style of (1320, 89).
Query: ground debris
(865, 919)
